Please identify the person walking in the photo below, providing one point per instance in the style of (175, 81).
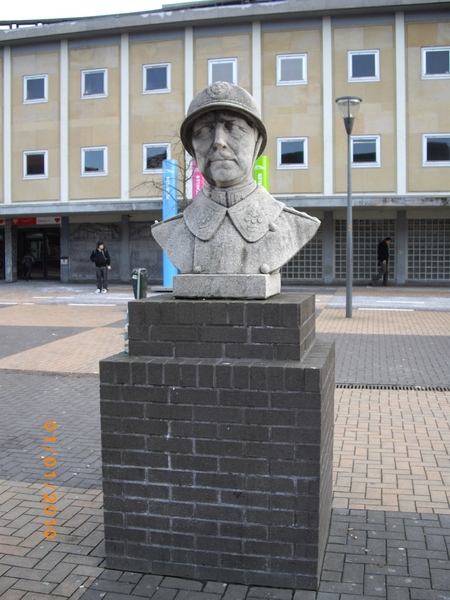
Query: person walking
(100, 256)
(383, 260)
(27, 263)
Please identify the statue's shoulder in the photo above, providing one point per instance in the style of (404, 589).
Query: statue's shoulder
(166, 221)
(297, 213)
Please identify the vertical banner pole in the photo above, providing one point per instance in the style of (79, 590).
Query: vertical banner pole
(170, 209)
(261, 172)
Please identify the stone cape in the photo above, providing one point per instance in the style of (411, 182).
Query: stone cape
(256, 235)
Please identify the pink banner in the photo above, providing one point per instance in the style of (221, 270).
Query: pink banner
(198, 181)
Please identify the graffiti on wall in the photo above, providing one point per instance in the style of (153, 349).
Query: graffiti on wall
(94, 231)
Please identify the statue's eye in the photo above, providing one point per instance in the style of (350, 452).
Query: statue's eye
(203, 130)
(229, 125)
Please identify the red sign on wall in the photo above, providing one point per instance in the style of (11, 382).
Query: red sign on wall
(36, 221)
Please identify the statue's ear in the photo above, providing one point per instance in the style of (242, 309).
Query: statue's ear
(257, 146)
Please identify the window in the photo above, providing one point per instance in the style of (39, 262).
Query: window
(364, 65)
(94, 84)
(224, 69)
(436, 150)
(35, 89)
(156, 78)
(435, 63)
(153, 156)
(366, 151)
(292, 153)
(291, 69)
(94, 161)
(35, 164)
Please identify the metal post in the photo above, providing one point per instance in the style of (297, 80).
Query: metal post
(348, 305)
(348, 107)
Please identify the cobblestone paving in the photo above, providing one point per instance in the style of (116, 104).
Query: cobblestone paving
(389, 347)
(390, 529)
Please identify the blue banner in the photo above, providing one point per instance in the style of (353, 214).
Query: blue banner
(170, 209)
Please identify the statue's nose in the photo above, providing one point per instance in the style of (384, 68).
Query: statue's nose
(220, 139)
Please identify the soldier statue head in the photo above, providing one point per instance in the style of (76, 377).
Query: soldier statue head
(224, 132)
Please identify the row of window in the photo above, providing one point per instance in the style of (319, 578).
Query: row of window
(365, 151)
(94, 161)
(363, 65)
(94, 83)
(292, 153)
(292, 69)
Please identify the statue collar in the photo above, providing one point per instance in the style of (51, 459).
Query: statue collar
(228, 197)
(253, 216)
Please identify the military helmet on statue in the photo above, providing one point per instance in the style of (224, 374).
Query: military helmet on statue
(222, 95)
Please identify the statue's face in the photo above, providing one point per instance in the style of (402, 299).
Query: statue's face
(225, 147)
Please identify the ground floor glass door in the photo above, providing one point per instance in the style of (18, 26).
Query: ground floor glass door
(44, 245)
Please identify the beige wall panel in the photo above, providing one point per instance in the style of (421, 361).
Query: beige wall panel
(35, 127)
(294, 181)
(388, 155)
(422, 34)
(377, 115)
(94, 122)
(443, 33)
(294, 110)
(427, 106)
(154, 118)
(363, 37)
(222, 46)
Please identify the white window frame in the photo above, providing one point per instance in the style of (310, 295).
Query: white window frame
(165, 90)
(434, 163)
(425, 75)
(146, 171)
(105, 162)
(304, 165)
(303, 58)
(27, 153)
(27, 78)
(351, 54)
(85, 96)
(215, 61)
(367, 165)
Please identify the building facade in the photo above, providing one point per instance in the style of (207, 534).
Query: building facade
(90, 108)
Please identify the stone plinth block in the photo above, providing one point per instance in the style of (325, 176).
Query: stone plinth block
(280, 328)
(257, 287)
(218, 466)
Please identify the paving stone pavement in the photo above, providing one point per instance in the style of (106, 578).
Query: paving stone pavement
(390, 528)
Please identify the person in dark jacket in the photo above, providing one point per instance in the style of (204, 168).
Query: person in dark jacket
(27, 263)
(383, 260)
(100, 256)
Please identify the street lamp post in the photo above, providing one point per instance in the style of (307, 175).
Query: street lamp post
(348, 107)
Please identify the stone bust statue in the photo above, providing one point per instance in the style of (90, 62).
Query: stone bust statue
(233, 227)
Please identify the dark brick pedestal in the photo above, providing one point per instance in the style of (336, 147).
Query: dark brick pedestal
(217, 435)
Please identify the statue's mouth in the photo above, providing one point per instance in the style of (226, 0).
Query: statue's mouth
(222, 159)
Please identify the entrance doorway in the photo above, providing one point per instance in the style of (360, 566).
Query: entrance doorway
(44, 245)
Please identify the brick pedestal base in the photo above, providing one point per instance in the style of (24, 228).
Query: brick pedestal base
(217, 435)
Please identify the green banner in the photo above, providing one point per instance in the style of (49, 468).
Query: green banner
(261, 171)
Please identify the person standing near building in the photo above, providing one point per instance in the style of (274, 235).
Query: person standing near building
(100, 256)
(383, 260)
(27, 263)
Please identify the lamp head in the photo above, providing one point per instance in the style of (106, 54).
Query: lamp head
(348, 107)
